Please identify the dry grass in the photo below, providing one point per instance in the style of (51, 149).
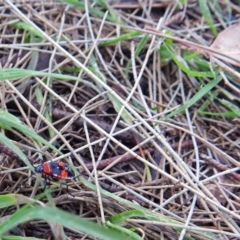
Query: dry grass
(183, 167)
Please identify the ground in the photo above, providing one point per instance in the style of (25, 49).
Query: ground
(131, 96)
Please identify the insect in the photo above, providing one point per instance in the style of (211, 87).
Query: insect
(56, 170)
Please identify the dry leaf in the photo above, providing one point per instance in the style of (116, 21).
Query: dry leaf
(228, 43)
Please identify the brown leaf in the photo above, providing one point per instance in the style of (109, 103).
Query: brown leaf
(228, 43)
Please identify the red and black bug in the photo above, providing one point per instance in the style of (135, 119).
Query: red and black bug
(56, 170)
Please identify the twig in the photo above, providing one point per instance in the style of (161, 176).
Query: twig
(219, 166)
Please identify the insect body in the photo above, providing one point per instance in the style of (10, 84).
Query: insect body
(57, 170)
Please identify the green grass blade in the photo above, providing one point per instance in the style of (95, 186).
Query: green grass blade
(16, 149)
(34, 56)
(16, 73)
(114, 14)
(207, 102)
(127, 117)
(147, 213)
(138, 50)
(132, 235)
(221, 114)
(71, 69)
(95, 69)
(12, 237)
(28, 28)
(64, 218)
(121, 38)
(123, 216)
(11, 121)
(93, 11)
(47, 115)
(9, 200)
(234, 108)
(203, 91)
(186, 69)
(207, 15)
(116, 104)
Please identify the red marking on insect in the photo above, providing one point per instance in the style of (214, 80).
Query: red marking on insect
(57, 170)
